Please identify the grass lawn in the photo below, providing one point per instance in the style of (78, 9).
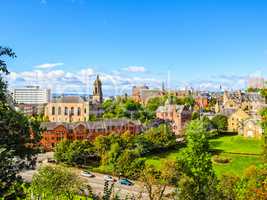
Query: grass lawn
(237, 144)
(158, 160)
(238, 163)
(236, 148)
(241, 151)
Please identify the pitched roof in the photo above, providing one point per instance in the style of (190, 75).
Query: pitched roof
(239, 97)
(227, 112)
(68, 99)
(170, 108)
(103, 124)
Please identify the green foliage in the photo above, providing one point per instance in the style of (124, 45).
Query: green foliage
(16, 143)
(199, 179)
(195, 115)
(253, 185)
(76, 152)
(55, 182)
(241, 151)
(4, 51)
(220, 122)
(10, 185)
(253, 89)
(160, 137)
(154, 103)
(263, 114)
(228, 186)
(124, 161)
(126, 108)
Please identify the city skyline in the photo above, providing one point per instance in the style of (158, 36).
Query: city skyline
(184, 43)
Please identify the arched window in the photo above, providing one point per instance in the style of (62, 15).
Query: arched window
(79, 111)
(59, 111)
(66, 111)
(53, 110)
(72, 111)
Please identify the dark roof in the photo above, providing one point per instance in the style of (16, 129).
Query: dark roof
(89, 125)
(68, 99)
(228, 112)
(241, 97)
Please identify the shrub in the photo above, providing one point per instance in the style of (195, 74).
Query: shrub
(220, 159)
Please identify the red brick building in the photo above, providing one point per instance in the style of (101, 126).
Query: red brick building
(178, 114)
(202, 101)
(54, 132)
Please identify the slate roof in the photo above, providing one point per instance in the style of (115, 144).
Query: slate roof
(68, 99)
(145, 94)
(228, 112)
(169, 108)
(251, 97)
(90, 125)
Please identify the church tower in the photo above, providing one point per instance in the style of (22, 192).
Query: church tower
(97, 91)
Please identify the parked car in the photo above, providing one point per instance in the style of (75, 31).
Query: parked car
(125, 181)
(109, 178)
(87, 174)
(50, 160)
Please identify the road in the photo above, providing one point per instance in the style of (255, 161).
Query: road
(97, 182)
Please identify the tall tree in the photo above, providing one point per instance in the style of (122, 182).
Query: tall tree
(198, 179)
(55, 182)
(220, 122)
(16, 139)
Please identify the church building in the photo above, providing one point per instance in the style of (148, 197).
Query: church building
(75, 108)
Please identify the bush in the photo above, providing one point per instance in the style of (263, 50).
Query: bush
(219, 159)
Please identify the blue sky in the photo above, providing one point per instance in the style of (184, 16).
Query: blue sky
(63, 44)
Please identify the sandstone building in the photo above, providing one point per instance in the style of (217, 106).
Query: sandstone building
(75, 108)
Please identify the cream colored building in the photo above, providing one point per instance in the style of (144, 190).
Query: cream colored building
(75, 108)
(252, 128)
(246, 101)
(67, 109)
(236, 119)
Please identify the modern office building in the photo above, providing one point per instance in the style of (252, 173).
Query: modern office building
(256, 82)
(31, 95)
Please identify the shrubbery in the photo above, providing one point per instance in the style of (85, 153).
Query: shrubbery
(122, 153)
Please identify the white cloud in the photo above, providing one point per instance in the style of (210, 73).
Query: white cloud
(114, 83)
(135, 69)
(48, 65)
(79, 81)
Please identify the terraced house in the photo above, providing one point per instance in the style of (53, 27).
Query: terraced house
(54, 132)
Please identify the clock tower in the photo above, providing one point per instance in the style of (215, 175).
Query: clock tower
(97, 91)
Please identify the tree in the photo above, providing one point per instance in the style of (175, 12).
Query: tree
(263, 114)
(229, 186)
(220, 122)
(198, 178)
(55, 182)
(10, 185)
(154, 184)
(253, 185)
(75, 152)
(4, 51)
(154, 103)
(161, 136)
(16, 135)
(195, 115)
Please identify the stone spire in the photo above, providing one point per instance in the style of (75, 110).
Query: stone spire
(97, 91)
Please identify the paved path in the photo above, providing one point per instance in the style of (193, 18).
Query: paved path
(97, 182)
